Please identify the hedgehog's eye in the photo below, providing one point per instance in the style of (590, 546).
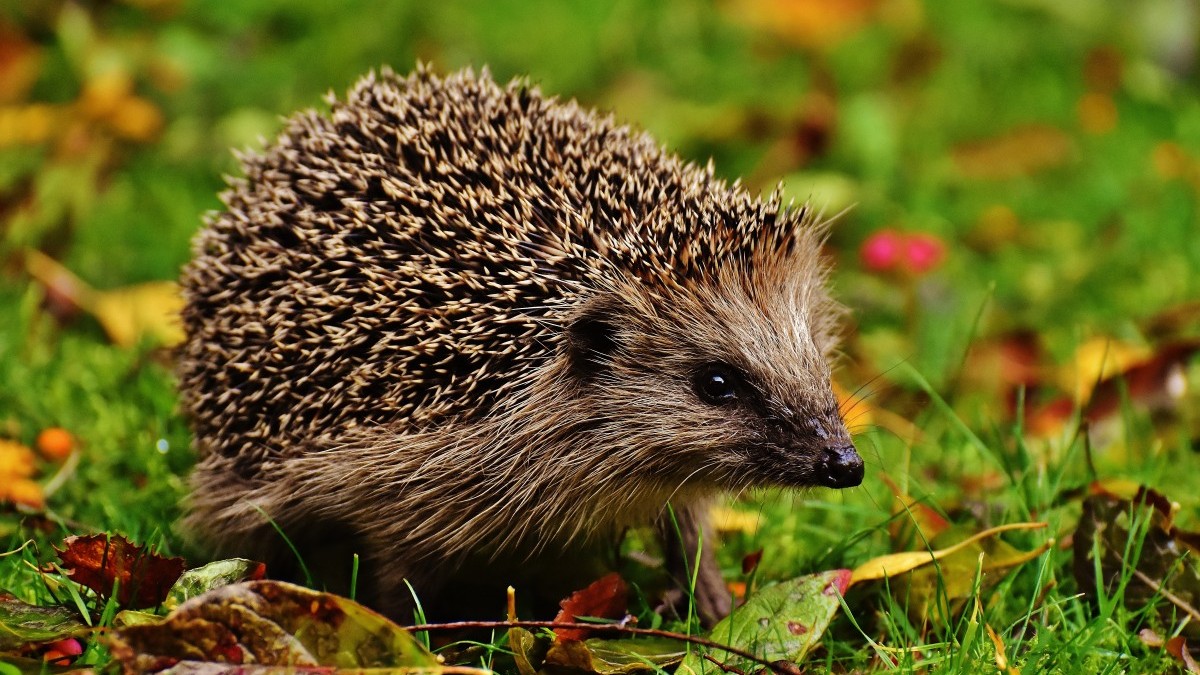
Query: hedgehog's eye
(717, 383)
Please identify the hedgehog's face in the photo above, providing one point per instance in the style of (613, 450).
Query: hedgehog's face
(724, 384)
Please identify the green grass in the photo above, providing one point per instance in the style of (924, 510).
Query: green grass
(1096, 243)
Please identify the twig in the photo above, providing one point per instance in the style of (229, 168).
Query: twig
(722, 666)
(1174, 599)
(651, 632)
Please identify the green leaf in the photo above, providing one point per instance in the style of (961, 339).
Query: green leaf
(203, 579)
(271, 623)
(780, 622)
(528, 650)
(616, 657)
(23, 624)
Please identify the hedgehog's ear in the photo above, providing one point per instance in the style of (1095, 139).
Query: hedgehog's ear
(591, 339)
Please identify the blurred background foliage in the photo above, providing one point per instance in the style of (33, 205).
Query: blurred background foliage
(1053, 147)
(1040, 158)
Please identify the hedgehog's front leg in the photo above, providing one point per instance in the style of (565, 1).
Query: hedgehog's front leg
(683, 537)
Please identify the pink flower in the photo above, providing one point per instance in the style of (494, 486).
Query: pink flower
(882, 250)
(923, 252)
(891, 251)
(63, 652)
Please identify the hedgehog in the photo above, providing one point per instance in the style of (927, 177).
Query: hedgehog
(473, 334)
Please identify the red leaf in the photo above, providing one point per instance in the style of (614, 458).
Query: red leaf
(603, 598)
(99, 561)
(1177, 647)
(751, 560)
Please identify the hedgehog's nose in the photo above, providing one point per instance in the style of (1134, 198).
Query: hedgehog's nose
(841, 467)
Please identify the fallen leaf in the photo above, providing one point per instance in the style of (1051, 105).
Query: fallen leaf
(22, 491)
(616, 657)
(1103, 67)
(895, 564)
(1096, 360)
(750, 561)
(100, 561)
(726, 520)
(1150, 638)
(1001, 657)
(22, 624)
(1105, 374)
(1155, 383)
(103, 94)
(62, 652)
(144, 310)
(857, 412)
(270, 623)
(529, 650)
(198, 581)
(783, 622)
(16, 460)
(604, 598)
(128, 314)
(954, 577)
(1177, 647)
(1165, 572)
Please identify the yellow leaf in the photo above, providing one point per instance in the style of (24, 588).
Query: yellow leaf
(16, 460)
(727, 520)
(144, 310)
(136, 119)
(22, 491)
(28, 124)
(1001, 657)
(103, 94)
(1097, 359)
(128, 314)
(895, 564)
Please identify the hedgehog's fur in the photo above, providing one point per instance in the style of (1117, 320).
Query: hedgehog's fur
(453, 321)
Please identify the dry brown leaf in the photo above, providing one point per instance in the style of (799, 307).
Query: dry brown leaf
(1177, 647)
(102, 561)
(1001, 657)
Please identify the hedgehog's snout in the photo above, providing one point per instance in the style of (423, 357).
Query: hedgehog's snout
(841, 467)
